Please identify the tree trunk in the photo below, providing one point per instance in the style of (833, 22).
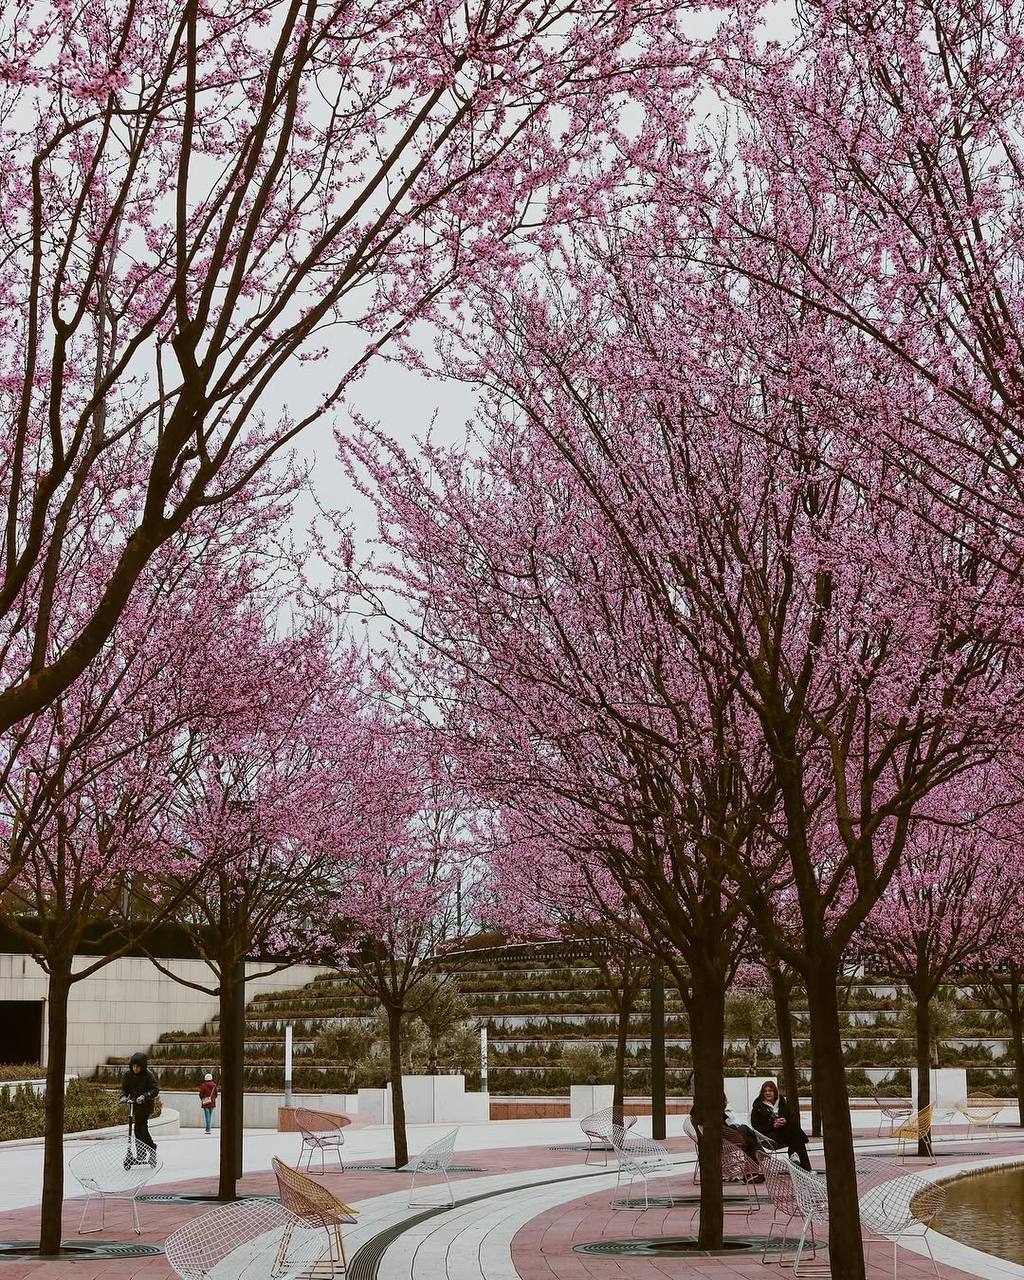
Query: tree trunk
(621, 1044)
(922, 1031)
(397, 1095)
(51, 1227)
(658, 1052)
(232, 1060)
(846, 1250)
(815, 1099)
(787, 1050)
(706, 1007)
(1016, 1017)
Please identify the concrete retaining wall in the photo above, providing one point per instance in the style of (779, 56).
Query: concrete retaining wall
(428, 1100)
(129, 1003)
(260, 1108)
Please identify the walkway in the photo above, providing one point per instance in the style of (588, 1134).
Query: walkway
(521, 1211)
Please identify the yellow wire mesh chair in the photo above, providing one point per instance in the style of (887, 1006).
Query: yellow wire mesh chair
(917, 1129)
(313, 1204)
(979, 1110)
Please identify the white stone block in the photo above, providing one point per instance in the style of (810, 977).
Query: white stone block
(948, 1086)
(585, 1099)
(419, 1096)
(737, 1092)
(375, 1104)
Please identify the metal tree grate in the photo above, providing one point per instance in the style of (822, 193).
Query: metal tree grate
(80, 1252)
(673, 1202)
(670, 1247)
(171, 1197)
(390, 1168)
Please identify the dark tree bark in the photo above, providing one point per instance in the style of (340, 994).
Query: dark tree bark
(922, 991)
(56, 1064)
(705, 1004)
(621, 1046)
(397, 1092)
(232, 1065)
(782, 985)
(846, 1251)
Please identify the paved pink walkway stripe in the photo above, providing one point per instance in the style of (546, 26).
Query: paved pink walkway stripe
(541, 1250)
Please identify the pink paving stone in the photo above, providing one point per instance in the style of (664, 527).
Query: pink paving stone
(540, 1244)
(541, 1250)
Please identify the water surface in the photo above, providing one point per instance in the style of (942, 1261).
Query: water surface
(986, 1211)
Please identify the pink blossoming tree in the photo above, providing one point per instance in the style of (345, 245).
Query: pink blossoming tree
(810, 652)
(395, 881)
(195, 197)
(276, 777)
(89, 792)
(955, 902)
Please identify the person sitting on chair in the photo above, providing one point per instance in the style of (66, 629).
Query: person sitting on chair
(738, 1133)
(770, 1116)
(734, 1131)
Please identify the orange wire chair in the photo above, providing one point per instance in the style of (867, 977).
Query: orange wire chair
(314, 1205)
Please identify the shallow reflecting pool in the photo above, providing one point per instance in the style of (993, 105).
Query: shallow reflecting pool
(986, 1211)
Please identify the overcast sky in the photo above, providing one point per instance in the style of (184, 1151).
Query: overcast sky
(403, 401)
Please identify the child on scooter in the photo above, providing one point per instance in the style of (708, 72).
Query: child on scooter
(141, 1089)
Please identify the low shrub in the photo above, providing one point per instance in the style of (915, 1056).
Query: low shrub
(21, 1071)
(87, 1106)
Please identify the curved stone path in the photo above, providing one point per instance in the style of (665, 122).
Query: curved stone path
(518, 1220)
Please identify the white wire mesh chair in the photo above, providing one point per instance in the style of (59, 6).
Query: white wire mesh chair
(893, 1110)
(321, 1132)
(311, 1204)
(896, 1205)
(239, 1240)
(811, 1197)
(433, 1159)
(99, 1170)
(917, 1129)
(979, 1110)
(691, 1131)
(782, 1197)
(597, 1130)
(638, 1158)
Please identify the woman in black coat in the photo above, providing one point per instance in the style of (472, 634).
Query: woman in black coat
(770, 1116)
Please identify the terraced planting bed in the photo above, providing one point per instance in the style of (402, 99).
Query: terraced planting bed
(541, 1019)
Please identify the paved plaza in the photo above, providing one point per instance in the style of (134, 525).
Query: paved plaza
(525, 1202)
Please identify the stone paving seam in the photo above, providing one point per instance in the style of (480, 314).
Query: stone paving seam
(408, 1235)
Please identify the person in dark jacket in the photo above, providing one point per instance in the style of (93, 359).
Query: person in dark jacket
(770, 1116)
(140, 1086)
(740, 1135)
